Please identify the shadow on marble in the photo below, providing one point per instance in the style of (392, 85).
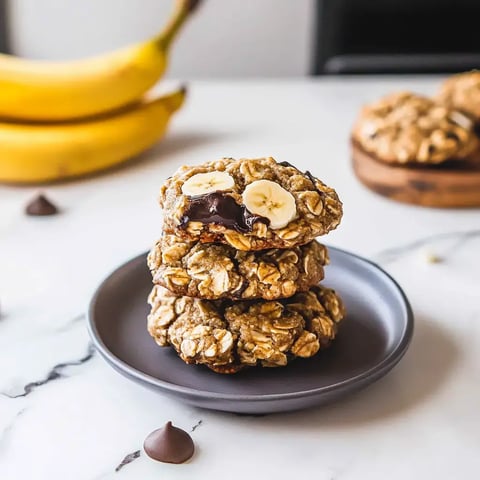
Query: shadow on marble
(172, 144)
(425, 368)
(175, 143)
(427, 365)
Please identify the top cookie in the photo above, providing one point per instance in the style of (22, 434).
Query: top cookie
(405, 128)
(249, 204)
(462, 92)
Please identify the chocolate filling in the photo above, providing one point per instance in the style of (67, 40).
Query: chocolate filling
(222, 209)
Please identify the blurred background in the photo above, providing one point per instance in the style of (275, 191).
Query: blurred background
(258, 38)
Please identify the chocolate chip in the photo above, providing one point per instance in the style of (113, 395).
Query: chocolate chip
(41, 206)
(169, 444)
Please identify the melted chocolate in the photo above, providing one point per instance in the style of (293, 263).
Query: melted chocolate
(287, 164)
(169, 444)
(222, 209)
(307, 174)
(313, 180)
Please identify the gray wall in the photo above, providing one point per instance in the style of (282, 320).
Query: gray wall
(228, 38)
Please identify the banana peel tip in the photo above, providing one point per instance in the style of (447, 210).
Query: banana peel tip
(176, 99)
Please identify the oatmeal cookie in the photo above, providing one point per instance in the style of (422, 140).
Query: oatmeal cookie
(213, 270)
(248, 204)
(228, 336)
(404, 128)
(462, 92)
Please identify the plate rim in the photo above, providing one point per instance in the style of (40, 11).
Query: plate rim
(374, 372)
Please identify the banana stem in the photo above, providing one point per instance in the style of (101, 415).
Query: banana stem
(182, 10)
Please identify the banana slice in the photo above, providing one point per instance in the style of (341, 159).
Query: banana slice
(202, 183)
(270, 200)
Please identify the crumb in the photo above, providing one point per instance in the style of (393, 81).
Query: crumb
(432, 257)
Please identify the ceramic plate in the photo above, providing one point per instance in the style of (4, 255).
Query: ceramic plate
(370, 342)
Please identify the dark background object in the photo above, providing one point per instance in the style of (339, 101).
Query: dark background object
(396, 36)
(3, 27)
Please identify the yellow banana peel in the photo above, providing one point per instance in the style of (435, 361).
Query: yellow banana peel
(50, 91)
(33, 153)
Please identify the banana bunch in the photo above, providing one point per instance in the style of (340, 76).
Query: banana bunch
(62, 120)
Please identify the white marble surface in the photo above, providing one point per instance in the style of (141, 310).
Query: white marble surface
(64, 414)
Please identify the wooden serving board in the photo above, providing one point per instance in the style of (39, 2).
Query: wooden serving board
(447, 187)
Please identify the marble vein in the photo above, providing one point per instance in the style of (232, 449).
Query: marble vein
(71, 323)
(460, 238)
(128, 459)
(198, 424)
(5, 434)
(55, 373)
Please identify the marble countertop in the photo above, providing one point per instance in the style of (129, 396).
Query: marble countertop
(65, 414)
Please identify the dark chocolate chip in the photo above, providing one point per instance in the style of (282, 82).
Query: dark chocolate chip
(41, 206)
(169, 444)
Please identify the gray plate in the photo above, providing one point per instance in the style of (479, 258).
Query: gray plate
(372, 339)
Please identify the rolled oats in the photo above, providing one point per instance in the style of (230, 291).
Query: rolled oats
(306, 345)
(213, 271)
(406, 128)
(462, 92)
(228, 336)
(318, 209)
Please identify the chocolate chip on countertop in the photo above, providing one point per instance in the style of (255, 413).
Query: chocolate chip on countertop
(41, 206)
(169, 444)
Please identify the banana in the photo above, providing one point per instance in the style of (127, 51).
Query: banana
(202, 183)
(50, 91)
(270, 200)
(37, 153)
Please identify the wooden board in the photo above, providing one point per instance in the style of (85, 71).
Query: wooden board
(448, 187)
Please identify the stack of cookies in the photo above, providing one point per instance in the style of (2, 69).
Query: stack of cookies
(236, 272)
